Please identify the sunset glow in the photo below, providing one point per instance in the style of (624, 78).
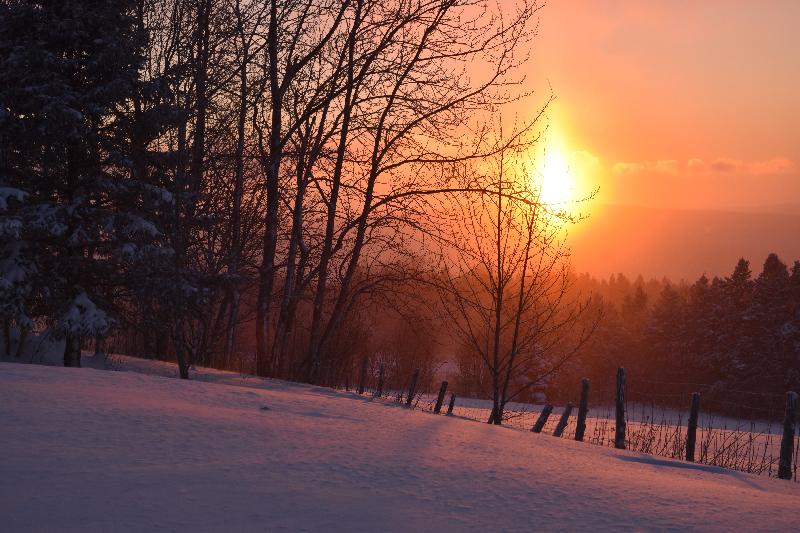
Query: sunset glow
(515, 265)
(555, 183)
(684, 111)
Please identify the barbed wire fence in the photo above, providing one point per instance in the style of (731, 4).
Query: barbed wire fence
(740, 430)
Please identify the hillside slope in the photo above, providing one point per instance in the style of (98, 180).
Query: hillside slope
(92, 450)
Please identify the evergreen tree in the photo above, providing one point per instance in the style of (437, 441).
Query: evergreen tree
(735, 336)
(635, 304)
(791, 330)
(635, 312)
(666, 336)
(770, 314)
(703, 312)
(73, 216)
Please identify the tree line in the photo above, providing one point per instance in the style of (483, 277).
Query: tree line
(727, 336)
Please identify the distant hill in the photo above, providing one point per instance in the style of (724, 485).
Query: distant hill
(681, 243)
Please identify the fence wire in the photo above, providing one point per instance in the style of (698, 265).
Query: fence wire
(738, 430)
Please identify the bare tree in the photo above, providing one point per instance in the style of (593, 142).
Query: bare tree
(406, 105)
(313, 139)
(505, 284)
(296, 33)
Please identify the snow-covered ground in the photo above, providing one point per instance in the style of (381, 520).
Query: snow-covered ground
(746, 445)
(92, 450)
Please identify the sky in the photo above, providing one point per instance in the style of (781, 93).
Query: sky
(682, 113)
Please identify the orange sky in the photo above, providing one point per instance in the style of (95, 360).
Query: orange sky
(673, 105)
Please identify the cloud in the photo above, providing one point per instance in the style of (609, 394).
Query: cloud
(725, 165)
(668, 166)
(664, 166)
(628, 169)
(697, 166)
(777, 165)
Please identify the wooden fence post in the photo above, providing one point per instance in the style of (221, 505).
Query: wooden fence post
(542, 420)
(452, 404)
(412, 388)
(787, 443)
(379, 391)
(362, 375)
(440, 399)
(562, 422)
(583, 410)
(619, 437)
(691, 430)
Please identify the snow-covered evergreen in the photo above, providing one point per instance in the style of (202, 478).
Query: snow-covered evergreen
(73, 217)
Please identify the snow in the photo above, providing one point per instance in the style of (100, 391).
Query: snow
(10, 228)
(7, 193)
(744, 444)
(95, 450)
(83, 317)
(36, 347)
(138, 225)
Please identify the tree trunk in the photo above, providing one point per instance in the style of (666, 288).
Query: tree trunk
(72, 351)
(179, 305)
(238, 188)
(201, 96)
(7, 337)
(282, 328)
(496, 416)
(23, 335)
(267, 270)
(98, 346)
(317, 337)
(180, 352)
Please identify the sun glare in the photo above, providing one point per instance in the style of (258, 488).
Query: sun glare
(554, 181)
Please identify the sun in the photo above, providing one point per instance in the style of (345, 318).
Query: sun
(554, 182)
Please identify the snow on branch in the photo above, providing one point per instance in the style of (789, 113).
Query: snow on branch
(7, 193)
(83, 317)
